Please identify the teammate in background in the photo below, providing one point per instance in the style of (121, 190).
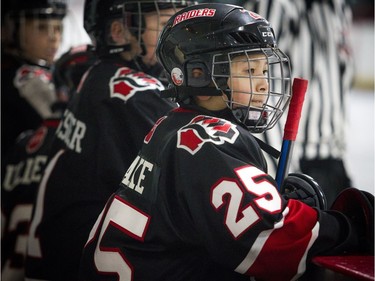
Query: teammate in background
(20, 179)
(196, 203)
(101, 132)
(69, 69)
(33, 35)
(25, 163)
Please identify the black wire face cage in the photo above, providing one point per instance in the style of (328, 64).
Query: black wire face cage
(256, 83)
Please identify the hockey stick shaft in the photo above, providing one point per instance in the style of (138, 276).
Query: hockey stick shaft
(291, 128)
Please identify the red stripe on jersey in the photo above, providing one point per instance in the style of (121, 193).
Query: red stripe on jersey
(52, 123)
(283, 253)
(180, 109)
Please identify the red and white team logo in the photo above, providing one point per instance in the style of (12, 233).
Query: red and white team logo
(177, 76)
(125, 83)
(36, 141)
(203, 129)
(27, 72)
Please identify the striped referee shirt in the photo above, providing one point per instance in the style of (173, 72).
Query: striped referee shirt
(315, 35)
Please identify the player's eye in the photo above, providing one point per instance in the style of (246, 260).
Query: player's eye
(43, 27)
(250, 71)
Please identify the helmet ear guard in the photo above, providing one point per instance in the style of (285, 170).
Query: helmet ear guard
(192, 84)
(203, 80)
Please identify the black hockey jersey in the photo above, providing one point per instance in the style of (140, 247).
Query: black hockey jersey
(20, 179)
(100, 134)
(197, 204)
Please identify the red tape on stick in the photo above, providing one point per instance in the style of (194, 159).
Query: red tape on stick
(295, 108)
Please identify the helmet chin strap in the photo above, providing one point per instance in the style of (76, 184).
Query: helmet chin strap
(254, 117)
(119, 49)
(268, 148)
(184, 92)
(112, 49)
(250, 117)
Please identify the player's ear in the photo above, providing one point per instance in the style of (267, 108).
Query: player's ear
(119, 33)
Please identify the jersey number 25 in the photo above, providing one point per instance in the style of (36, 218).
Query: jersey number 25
(134, 223)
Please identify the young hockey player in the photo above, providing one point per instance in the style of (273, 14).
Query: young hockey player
(25, 163)
(101, 132)
(197, 203)
(33, 35)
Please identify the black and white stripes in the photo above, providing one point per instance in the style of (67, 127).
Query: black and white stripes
(315, 34)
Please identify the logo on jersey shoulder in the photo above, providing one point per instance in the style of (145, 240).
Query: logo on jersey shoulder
(203, 129)
(27, 72)
(126, 83)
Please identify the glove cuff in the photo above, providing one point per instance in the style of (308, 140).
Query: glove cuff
(349, 237)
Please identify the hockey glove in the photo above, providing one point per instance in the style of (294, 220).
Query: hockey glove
(358, 207)
(304, 188)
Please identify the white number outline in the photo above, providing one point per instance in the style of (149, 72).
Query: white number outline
(128, 219)
(238, 220)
